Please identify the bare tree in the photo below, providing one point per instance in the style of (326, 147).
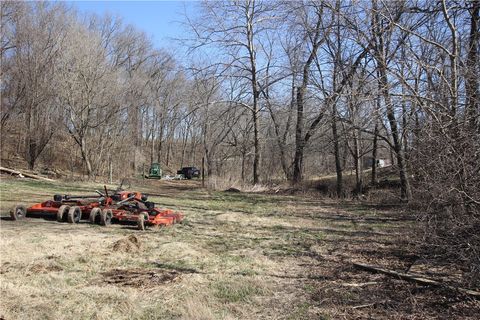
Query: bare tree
(86, 88)
(238, 30)
(381, 56)
(39, 31)
(315, 38)
(473, 74)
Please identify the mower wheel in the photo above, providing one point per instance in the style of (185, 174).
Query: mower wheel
(94, 215)
(18, 212)
(62, 213)
(141, 222)
(106, 217)
(74, 215)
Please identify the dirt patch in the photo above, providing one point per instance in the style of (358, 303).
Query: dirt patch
(128, 244)
(140, 278)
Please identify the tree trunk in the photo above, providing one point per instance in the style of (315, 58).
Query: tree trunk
(193, 146)
(374, 155)
(453, 57)
(152, 146)
(249, 15)
(404, 128)
(152, 151)
(336, 152)
(472, 77)
(85, 157)
(169, 147)
(380, 57)
(256, 158)
(136, 138)
(397, 143)
(184, 147)
(32, 151)
(358, 165)
(160, 140)
(243, 165)
(299, 139)
(210, 164)
(282, 137)
(30, 145)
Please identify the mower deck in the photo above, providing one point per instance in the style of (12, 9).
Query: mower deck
(124, 206)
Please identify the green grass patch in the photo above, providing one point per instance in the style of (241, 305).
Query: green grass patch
(247, 272)
(220, 201)
(235, 291)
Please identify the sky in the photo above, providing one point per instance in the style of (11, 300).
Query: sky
(159, 19)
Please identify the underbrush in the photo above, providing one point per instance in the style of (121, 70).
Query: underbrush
(385, 191)
(447, 197)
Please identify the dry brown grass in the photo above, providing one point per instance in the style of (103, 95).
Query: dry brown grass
(237, 256)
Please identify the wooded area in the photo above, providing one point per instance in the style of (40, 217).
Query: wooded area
(267, 92)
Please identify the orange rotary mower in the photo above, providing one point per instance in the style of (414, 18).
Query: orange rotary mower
(124, 207)
(67, 208)
(134, 208)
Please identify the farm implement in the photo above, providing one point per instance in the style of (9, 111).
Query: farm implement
(122, 207)
(134, 208)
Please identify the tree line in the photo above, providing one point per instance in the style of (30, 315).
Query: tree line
(268, 86)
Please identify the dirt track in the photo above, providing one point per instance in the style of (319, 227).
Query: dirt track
(237, 256)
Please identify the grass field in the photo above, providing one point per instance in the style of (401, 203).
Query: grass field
(236, 256)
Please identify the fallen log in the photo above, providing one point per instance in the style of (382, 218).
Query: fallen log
(417, 279)
(25, 174)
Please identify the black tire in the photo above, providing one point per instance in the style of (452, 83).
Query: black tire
(141, 222)
(19, 212)
(74, 215)
(62, 213)
(94, 215)
(106, 217)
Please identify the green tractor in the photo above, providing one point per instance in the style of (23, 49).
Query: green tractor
(155, 172)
